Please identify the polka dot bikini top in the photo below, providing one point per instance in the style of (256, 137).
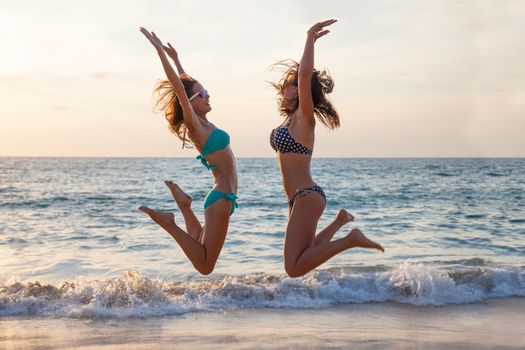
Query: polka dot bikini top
(283, 142)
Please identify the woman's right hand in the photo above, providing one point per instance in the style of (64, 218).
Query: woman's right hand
(170, 50)
(317, 30)
(153, 39)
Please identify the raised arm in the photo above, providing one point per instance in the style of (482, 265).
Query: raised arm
(174, 55)
(190, 118)
(306, 68)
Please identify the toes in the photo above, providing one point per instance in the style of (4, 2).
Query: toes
(375, 245)
(362, 241)
(172, 185)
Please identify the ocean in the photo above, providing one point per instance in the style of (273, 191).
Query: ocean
(74, 245)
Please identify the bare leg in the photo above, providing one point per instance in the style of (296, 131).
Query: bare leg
(342, 218)
(299, 256)
(203, 255)
(317, 255)
(195, 251)
(193, 226)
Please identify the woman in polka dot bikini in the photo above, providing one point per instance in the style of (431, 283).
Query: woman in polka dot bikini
(302, 98)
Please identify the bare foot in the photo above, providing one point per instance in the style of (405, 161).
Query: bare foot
(344, 217)
(358, 239)
(182, 199)
(165, 220)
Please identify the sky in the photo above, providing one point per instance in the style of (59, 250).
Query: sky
(413, 78)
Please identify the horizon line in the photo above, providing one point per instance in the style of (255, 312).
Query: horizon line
(269, 157)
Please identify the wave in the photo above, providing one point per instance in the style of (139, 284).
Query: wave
(37, 203)
(134, 295)
(494, 174)
(445, 174)
(475, 216)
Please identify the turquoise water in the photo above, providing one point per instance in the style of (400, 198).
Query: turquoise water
(453, 230)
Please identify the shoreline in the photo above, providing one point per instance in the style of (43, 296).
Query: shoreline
(495, 324)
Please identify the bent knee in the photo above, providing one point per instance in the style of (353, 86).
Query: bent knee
(206, 269)
(293, 271)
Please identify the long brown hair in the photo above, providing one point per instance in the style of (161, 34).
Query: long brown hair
(322, 84)
(168, 102)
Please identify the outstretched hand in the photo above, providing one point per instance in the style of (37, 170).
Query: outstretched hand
(153, 39)
(170, 50)
(317, 30)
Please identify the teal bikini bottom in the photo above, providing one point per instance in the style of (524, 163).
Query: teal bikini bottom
(214, 196)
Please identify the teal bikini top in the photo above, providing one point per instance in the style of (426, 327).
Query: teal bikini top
(217, 140)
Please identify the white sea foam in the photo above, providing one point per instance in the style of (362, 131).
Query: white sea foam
(134, 295)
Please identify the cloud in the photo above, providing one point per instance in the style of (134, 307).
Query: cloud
(62, 108)
(105, 75)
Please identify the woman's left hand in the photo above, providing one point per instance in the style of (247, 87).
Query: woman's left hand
(170, 50)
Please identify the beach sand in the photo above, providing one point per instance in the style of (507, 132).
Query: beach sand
(496, 324)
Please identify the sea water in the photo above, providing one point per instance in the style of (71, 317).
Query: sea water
(73, 244)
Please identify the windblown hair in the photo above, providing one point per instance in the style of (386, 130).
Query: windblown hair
(168, 102)
(322, 84)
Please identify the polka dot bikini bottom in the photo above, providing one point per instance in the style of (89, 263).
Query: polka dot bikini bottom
(306, 191)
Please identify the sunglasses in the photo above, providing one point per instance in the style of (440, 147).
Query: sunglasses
(202, 93)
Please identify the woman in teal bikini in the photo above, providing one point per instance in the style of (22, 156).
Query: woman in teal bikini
(186, 103)
(302, 98)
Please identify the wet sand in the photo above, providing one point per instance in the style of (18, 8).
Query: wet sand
(497, 324)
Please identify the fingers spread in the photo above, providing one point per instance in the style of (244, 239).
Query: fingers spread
(321, 25)
(323, 33)
(146, 33)
(328, 22)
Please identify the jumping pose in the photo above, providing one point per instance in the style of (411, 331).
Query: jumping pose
(302, 98)
(186, 103)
